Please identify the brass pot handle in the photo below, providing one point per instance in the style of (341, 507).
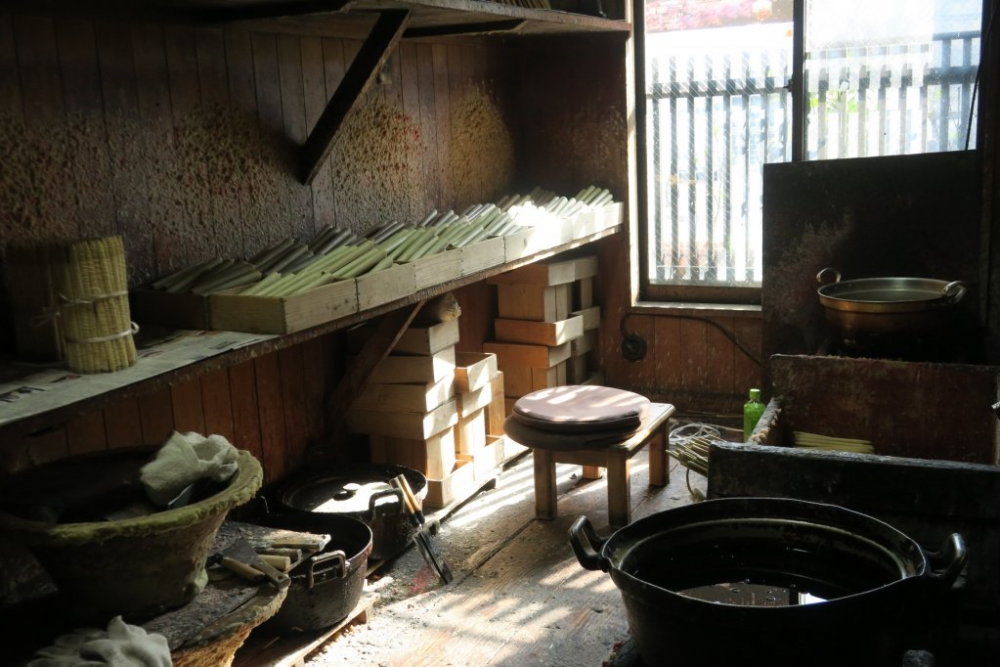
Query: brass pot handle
(954, 291)
(823, 274)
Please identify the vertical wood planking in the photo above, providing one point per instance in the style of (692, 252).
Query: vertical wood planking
(428, 125)
(157, 413)
(122, 424)
(746, 373)
(86, 433)
(81, 83)
(694, 367)
(296, 408)
(442, 100)
(719, 360)
(246, 415)
(188, 411)
(217, 404)
(479, 305)
(392, 90)
(268, 85)
(41, 88)
(316, 369)
(669, 352)
(334, 66)
(459, 85)
(293, 114)
(315, 99)
(409, 86)
(271, 408)
(243, 104)
(10, 84)
(47, 446)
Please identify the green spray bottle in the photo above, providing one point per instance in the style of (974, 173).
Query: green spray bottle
(752, 410)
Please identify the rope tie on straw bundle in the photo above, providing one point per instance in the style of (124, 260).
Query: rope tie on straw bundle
(131, 331)
(50, 314)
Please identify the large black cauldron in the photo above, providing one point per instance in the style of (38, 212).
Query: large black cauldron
(836, 587)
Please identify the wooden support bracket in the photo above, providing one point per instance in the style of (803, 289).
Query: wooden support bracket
(370, 59)
(386, 335)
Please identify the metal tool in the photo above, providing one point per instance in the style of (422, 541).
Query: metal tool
(241, 558)
(423, 539)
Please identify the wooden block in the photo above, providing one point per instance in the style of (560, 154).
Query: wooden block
(496, 411)
(583, 344)
(561, 375)
(282, 315)
(576, 370)
(591, 317)
(471, 433)
(527, 302)
(469, 402)
(409, 425)
(517, 381)
(415, 340)
(546, 378)
(564, 294)
(435, 456)
(534, 356)
(421, 398)
(585, 267)
(583, 293)
(405, 368)
(482, 255)
(531, 240)
(488, 459)
(539, 333)
(539, 273)
(384, 286)
(176, 311)
(474, 370)
(458, 484)
(437, 269)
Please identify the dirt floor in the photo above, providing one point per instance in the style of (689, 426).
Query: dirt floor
(520, 597)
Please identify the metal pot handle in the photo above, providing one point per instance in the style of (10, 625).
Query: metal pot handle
(337, 555)
(954, 291)
(587, 545)
(378, 495)
(823, 275)
(947, 561)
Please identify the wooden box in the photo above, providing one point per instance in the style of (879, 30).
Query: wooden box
(583, 294)
(576, 370)
(407, 425)
(583, 344)
(496, 412)
(407, 368)
(422, 397)
(474, 370)
(456, 485)
(522, 380)
(471, 432)
(537, 303)
(436, 269)
(283, 315)
(533, 356)
(540, 273)
(175, 311)
(489, 458)
(434, 456)
(469, 402)
(482, 255)
(541, 333)
(415, 340)
(396, 282)
(532, 240)
(585, 267)
(591, 318)
(592, 221)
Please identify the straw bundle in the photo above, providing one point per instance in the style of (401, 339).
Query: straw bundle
(34, 300)
(93, 290)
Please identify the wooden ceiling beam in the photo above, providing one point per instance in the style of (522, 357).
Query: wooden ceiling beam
(386, 33)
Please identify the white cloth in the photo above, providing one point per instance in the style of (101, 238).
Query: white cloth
(183, 460)
(122, 645)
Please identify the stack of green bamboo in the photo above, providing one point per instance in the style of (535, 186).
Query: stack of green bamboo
(93, 292)
(34, 301)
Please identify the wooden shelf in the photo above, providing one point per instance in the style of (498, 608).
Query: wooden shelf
(91, 392)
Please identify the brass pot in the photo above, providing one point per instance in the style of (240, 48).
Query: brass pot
(887, 309)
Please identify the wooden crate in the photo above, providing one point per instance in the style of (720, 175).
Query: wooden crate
(576, 370)
(176, 311)
(437, 268)
(385, 286)
(583, 294)
(536, 303)
(585, 267)
(415, 340)
(522, 380)
(496, 411)
(471, 432)
(591, 318)
(422, 397)
(545, 274)
(408, 425)
(469, 402)
(592, 221)
(541, 333)
(406, 368)
(482, 255)
(433, 456)
(489, 458)
(474, 370)
(531, 240)
(583, 344)
(283, 315)
(533, 356)
(459, 483)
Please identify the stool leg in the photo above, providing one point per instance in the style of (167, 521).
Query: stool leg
(619, 490)
(545, 484)
(659, 474)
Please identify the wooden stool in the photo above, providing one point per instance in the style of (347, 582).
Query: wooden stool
(616, 459)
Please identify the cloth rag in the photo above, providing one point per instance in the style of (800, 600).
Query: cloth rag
(184, 459)
(121, 645)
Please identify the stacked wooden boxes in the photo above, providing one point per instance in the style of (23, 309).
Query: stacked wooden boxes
(426, 407)
(547, 324)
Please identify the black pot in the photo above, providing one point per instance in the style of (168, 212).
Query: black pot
(876, 588)
(325, 588)
(374, 502)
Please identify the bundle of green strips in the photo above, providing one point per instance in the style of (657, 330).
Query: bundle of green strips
(832, 444)
(93, 294)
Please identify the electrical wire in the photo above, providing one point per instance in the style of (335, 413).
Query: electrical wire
(725, 332)
(975, 85)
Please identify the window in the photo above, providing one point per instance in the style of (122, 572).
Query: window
(879, 78)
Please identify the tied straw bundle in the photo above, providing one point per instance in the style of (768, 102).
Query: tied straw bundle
(97, 327)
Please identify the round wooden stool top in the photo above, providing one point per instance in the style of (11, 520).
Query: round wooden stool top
(581, 409)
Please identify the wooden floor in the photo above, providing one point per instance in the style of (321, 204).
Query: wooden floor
(519, 596)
